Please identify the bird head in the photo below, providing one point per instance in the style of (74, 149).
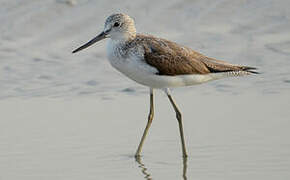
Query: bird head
(118, 27)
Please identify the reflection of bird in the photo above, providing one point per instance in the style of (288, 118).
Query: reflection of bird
(184, 168)
(159, 63)
(143, 168)
(148, 176)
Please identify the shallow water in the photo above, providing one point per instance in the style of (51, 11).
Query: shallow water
(96, 139)
(65, 116)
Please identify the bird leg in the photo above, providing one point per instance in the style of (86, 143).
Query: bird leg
(150, 118)
(179, 119)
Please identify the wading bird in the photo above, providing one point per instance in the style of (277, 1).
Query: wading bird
(159, 64)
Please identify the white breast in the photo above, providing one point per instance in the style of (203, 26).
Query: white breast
(130, 63)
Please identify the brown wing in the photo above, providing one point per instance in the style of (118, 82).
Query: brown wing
(171, 59)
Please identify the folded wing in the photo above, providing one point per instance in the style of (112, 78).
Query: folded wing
(172, 59)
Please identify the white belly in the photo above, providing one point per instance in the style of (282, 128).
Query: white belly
(148, 78)
(162, 81)
(136, 69)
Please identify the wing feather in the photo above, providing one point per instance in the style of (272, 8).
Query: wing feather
(171, 59)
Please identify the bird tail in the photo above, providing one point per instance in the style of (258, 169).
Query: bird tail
(249, 69)
(218, 66)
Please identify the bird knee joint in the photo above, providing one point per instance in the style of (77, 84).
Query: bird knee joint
(178, 116)
(150, 116)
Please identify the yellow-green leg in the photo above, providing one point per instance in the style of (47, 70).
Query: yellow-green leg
(179, 119)
(150, 118)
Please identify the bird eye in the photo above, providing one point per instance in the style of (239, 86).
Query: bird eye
(116, 24)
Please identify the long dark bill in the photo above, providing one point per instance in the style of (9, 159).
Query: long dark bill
(91, 42)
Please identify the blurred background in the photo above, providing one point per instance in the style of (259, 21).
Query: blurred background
(37, 38)
(72, 116)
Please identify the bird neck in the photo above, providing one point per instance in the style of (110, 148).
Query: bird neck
(124, 38)
(130, 34)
